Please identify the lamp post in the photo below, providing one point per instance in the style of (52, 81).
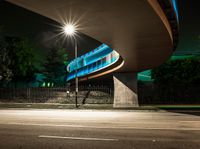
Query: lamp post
(70, 30)
(76, 78)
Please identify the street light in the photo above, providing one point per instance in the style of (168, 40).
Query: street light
(70, 30)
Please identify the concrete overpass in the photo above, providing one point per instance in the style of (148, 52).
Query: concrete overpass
(143, 32)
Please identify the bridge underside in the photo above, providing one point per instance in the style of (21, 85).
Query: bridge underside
(137, 29)
(133, 28)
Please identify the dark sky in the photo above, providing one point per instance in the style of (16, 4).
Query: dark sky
(21, 22)
(189, 14)
(17, 21)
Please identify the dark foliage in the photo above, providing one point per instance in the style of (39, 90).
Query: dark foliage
(56, 62)
(17, 60)
(184, 71)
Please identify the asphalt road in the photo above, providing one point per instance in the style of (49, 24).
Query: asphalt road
(85, 129)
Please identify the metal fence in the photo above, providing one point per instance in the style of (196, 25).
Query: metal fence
(54, 95)
(148, 94)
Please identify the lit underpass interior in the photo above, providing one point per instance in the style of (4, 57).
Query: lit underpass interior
(91, 62)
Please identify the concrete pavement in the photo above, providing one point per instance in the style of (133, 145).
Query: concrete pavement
(98, 129)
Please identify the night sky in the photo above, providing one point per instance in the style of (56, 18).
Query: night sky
(21, 22)
(41, 31)
(189, 36)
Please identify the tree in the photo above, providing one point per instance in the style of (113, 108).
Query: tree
(17, 60)
(5, 72)
(182, 71)
(55, 66)
(199, 42)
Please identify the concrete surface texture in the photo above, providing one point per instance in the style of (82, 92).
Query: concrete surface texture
(125, 90)
(137, 29)
(80, 129)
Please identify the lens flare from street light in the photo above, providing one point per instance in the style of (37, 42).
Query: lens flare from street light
(69, 29)
(71, 25)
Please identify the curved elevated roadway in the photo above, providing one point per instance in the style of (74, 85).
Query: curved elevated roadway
(143, 32)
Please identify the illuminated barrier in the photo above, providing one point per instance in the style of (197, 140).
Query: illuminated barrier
(174, 4)
(96, 60)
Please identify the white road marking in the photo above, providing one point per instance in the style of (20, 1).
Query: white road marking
(77, 138)
(106, 127)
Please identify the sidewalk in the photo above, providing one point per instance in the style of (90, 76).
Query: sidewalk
(71, 106)
(96, 106)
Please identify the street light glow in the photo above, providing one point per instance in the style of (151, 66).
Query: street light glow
(69, 29)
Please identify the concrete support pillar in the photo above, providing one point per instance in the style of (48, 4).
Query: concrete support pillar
(125, 90)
